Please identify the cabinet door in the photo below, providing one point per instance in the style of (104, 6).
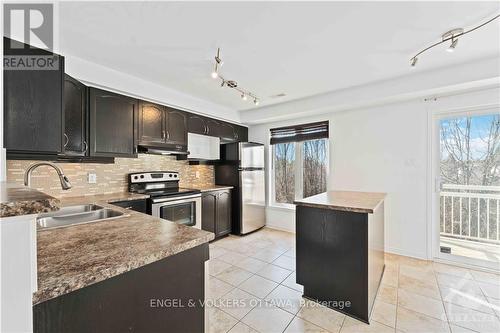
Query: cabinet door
(227, 132)
(197, 124)
(33, 110)
(75, 117)
(241, 134)
(208, 211)
(223, 223)
(112, 120)
(151, 123)
(176, 125)
(213, 127)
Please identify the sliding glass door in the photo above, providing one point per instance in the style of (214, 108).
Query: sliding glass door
(467, 193)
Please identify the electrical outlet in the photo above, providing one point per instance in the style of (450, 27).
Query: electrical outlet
(197, 174)
(91, 178)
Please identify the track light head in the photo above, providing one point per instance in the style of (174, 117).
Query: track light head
(453, 45)
(223, 83)
(215, 75)
(244, 97)
(413, 62)
(219, 61)
(256, 101)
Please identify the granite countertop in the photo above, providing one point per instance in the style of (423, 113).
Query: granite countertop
(358, 202)
(18, 200)
(74, 257)
(214, 188)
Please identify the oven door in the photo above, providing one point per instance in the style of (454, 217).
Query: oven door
(183, 210)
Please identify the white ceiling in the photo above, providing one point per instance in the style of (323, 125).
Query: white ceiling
(298, 48)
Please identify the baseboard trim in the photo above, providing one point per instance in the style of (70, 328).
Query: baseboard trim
(280, 229)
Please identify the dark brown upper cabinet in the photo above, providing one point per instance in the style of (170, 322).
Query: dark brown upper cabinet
(213, 127)
(227, 132)
(197, 124)
(176, 126)
(151, 123)
(241, 134)
(113, 119)
(33, 108)
(75, 117)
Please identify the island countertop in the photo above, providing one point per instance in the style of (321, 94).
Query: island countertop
(74, 257)
(17, 200)
(349, 201)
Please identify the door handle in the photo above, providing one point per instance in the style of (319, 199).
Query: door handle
(67, 140)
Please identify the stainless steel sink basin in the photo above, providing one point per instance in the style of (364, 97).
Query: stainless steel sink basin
(76, 215)
(69, 210)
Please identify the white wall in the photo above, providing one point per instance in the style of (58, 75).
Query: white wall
(383, 149)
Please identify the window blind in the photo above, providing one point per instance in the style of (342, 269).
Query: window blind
(304, 132)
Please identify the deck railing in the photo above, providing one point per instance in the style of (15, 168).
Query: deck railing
(471, 212)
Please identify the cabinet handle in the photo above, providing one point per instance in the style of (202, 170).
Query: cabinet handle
(168, 136)
(86, 146)
(129, 207)
(206, 129)
(163, 135)
(67, 140)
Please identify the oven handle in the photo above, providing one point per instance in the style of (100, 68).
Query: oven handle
(176, 198)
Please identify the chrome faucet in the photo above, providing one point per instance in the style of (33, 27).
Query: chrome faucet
(65, 184)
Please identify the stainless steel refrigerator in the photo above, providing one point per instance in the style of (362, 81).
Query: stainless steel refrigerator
(242, 166)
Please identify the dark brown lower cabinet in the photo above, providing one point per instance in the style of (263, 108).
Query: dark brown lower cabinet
(216, 212)
(164, 296)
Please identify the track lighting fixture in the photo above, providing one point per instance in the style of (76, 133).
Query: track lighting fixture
(453, 45)
(453, 36)
(245, 94)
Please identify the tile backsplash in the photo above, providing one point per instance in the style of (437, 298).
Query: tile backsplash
(111, 178)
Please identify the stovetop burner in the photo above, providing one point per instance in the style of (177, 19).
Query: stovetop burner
(158, 184)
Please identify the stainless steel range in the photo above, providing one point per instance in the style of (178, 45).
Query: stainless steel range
(167, 200)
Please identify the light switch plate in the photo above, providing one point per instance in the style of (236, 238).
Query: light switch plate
(91, 178)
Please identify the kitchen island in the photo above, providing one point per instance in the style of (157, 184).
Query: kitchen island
(134, 273)
(340, 249)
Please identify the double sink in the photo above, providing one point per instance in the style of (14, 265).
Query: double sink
(71, 215)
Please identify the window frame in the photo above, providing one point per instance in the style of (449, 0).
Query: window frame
(299, 173)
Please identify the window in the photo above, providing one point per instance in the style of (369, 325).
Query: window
(299, 162)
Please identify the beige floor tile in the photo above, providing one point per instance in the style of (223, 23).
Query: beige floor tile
(274, 273)
(495, 305)
(422, 273)
(232, 257)
(384, 313)
(422, 287)
(251, 264)
(215, 266)
(290, 253)
(290, 282)
(262, 243)
(486, 277)
(452, 270)
(219, 321)
(216, 251)
(234, 275)
(410, 321)
(390, 277)
(471, 319)
(285, 262)
(268, 319)
(301, 326)
(458, 329)
(267, 255)
(463, 297)
(421, 304)
(387, 294)
(258, 286)
(355, 326)
(242, 328)
(448, 280)
(286, 298)
(490, 290)
(237, 303)
(322, 316)
(414, 262)
(217, 288)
